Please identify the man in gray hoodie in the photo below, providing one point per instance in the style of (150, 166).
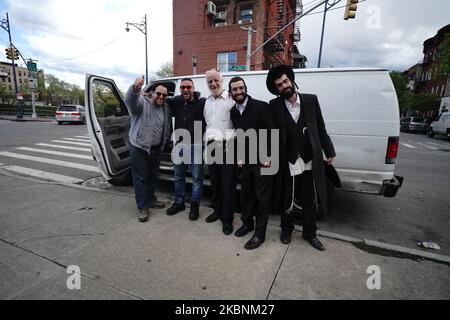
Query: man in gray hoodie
(149, 132)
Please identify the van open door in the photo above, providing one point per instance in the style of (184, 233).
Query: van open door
(108, 125)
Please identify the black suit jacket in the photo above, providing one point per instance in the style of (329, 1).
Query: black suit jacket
(320, 142)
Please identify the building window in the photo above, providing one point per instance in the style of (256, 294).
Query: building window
(226, 61)
(246, 15)
(9, 80)
(20, 73)
(220, 19)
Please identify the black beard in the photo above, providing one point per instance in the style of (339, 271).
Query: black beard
(288, 93)
(241, 101)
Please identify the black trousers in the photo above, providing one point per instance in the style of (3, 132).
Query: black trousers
(256, 198)
(223, 185)
(305, 192)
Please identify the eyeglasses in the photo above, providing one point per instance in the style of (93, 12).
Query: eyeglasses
(185, 88)
(161, 94)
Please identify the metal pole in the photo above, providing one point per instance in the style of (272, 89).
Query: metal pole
(323, 32)
(146, 51)
(33, 104)
(249, 47)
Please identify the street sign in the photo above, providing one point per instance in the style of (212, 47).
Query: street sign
(32, 66)
(33, 74)
(240, 68)
(33, 83)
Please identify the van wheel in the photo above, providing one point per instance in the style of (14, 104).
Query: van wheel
(430, 133)
(60, 123)
(124, 179)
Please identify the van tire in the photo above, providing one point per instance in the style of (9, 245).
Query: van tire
(60, 122)
(124, 179)
(430, 133)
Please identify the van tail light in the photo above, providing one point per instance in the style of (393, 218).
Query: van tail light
(392, 150)
(75, 114)
(59, 113)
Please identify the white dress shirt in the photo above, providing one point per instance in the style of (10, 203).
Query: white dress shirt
(241, 107)
(217, 116)
(294, 109)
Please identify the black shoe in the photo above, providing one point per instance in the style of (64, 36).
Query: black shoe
(254, 243)
(157, 205)
(194, 212)
(175, 208)
(286, 235)
(143, 215)
(316, 244)
(242, 231)
(227, 229)
(213, 217)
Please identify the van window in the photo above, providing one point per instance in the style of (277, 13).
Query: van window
(418, 119)
(67, 108)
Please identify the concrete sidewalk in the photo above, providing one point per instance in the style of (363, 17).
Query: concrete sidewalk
(26, 119)
(44, 228)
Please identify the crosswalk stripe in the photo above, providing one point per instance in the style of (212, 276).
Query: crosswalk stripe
(426, 146)
(74, 143)
(82, 137)
(42, 174)
(62, 147)
(51, 161)
(56, 153)
(77, 140)
(409, 146)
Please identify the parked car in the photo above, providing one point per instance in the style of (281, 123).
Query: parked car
(414, 125)
(359, 106)
(70, 113)
(441, 125)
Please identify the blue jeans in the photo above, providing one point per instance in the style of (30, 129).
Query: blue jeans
(197, 175)
(144, 170)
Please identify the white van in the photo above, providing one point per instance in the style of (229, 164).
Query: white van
(359, 106)
(442, 124)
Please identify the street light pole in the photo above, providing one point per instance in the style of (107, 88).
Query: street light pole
(328, 6)
(142, 27)
(6, 26)
(249, 46)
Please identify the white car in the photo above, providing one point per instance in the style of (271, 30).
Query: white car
(70, 113)
(359, 106)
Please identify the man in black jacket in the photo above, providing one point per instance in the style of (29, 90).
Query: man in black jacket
(187, 109)
(256, 189)
(303, 139)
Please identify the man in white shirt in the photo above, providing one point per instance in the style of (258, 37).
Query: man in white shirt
(219, 138)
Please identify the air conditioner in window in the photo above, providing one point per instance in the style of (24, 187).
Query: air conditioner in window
(211, 8)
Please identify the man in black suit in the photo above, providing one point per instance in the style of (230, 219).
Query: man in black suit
(256, 189)
(303, 140)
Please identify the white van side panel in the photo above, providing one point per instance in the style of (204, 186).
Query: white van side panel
(360, 110)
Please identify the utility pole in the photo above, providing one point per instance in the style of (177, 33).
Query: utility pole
(6, 26)
(142, 27)
(249, 46)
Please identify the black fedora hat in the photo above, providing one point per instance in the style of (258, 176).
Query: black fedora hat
(275, 73)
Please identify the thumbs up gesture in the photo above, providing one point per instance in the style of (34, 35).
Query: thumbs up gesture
(139, 83)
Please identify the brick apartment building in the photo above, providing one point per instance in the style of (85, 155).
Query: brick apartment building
(208, 34)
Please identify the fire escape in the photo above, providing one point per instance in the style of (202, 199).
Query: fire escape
(275, 24)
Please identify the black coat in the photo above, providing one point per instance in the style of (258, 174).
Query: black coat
(319, 140)
(188, 112)
(256, 116)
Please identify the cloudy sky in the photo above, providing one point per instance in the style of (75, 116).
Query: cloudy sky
(71, 38)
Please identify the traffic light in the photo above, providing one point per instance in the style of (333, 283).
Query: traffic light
(12, 53)
(8, 53)
(350, 9)
(15, 54)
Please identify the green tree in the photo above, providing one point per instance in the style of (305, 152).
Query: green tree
(444, 57)
(400, 81)
(165, 71)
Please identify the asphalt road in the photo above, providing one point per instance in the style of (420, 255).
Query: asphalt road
(419, 212)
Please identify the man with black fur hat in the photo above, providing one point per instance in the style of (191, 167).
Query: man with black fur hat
(303, 140)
